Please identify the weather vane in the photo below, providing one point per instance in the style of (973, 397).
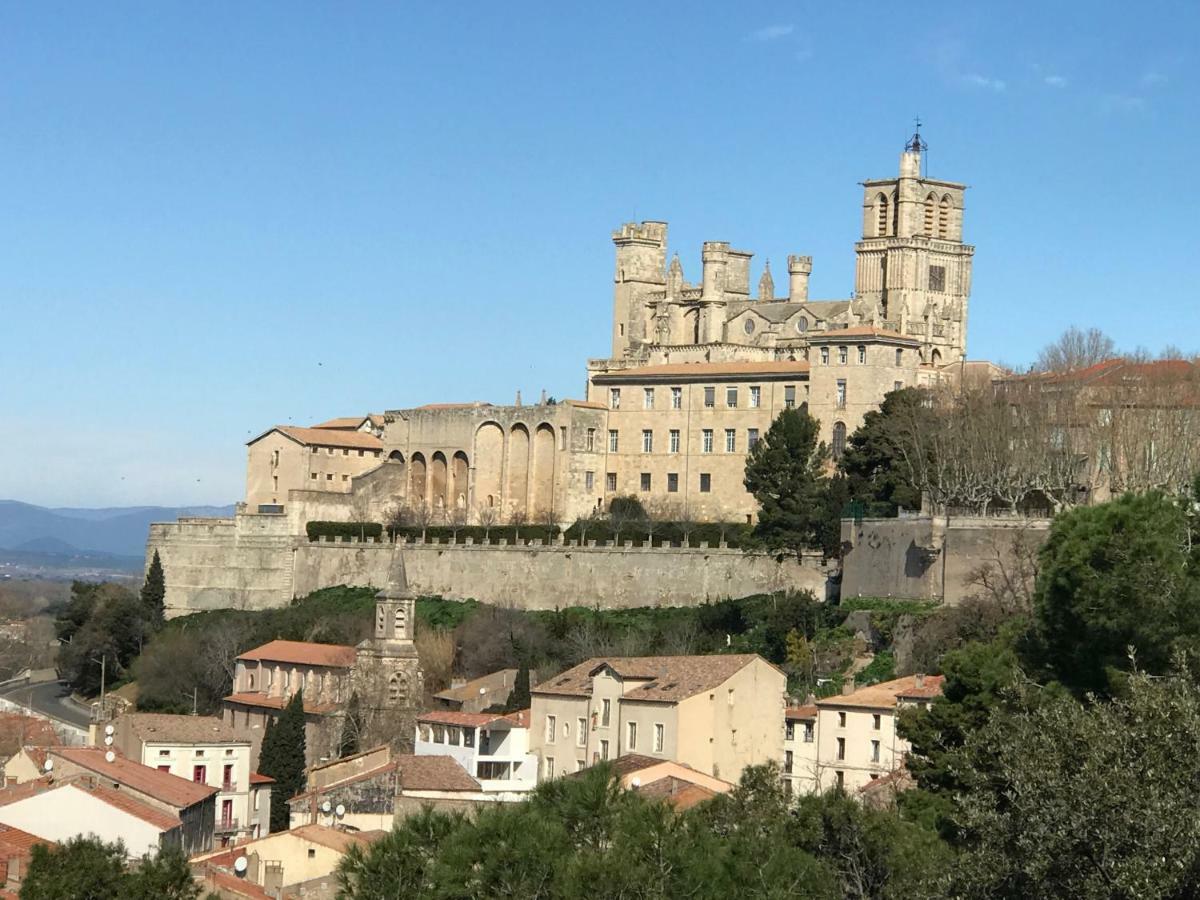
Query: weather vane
(915, 143)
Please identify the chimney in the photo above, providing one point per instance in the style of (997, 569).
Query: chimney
(919, 679)
(811, 699)
(848, 686)
(799, 268)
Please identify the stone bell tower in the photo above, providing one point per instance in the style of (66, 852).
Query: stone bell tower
(388, 676)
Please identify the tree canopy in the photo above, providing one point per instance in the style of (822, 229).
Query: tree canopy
(877, 461)
(86, 868)
(154, 592)
(282, 758)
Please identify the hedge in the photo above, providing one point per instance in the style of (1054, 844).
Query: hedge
(347, 530)
(736, 534)
(442, 533)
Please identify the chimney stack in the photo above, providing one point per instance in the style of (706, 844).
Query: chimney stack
(848, 686)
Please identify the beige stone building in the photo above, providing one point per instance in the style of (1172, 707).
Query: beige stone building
(695, 375)
(850, 740)
(717, 714)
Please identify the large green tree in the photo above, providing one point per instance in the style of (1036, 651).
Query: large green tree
(282, 758)
(154, 592)
(1116, 580)
(86, 868)
(519, 697)
(349, 742)
(878, 462)
(113, 631)
(785, 471)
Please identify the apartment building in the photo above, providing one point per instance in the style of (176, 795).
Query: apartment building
(717, 714)
(493, 748)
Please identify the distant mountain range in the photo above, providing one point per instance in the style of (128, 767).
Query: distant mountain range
(119, 531)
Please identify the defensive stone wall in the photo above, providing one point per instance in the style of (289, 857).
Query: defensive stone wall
(251, 562)
(930, 557)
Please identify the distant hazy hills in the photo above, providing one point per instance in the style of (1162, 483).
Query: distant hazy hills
(120, 531)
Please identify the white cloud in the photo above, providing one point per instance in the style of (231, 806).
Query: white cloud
(974, 79)
(1054, 81)
(772, 32)
(1153, 79)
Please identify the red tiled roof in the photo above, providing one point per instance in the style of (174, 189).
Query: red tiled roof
(800, 713)
(14, 840)
(350, 422)
(677, 792)
(144, 811)
(888, 694)
(232, 884)
(259, 778)
(433, 773)
(670, 678)
(704, 370)
(32, 730)
(264, 701)
(306, 653)
(17, 792)
(163, 786)
(326, 437)
(164, 727)
(465, 719)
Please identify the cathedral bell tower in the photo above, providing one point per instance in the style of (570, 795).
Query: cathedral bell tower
(913, 272)
(388, 676)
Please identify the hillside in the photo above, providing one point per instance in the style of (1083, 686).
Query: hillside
(118, 531)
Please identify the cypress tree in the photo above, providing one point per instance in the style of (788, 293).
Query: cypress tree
(154, 592)
(519, 697)
(349, 743)
(282, 758)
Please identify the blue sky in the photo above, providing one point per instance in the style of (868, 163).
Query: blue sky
(223, 216)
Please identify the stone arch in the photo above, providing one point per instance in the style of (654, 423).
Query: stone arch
(838, 444)
(882, 214)
(459, 481)
(930, 212)
(396, 456)
(943, 216)
(518, 469)
(543, 470)
(418, 473)
(438, 479)
(489, 464)
(936, 357)
(691, 325)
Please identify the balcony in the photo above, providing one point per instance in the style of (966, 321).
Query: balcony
(229, 787)
(225, 826)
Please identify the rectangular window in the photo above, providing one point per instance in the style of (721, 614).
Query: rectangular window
(631, 737)
(659, 737)
(166, 769)
(897, 385)
(313, 476)
(614, 398)
(164, 752)
(937, 278)
(645, 481)
(876, 721)
(610, 482)
(841, 748)
(647, 441)
(862, 355)
(612, 440)
(605, 711)
(755, 397)
(548, 767)
(751, 438)
(345, 453)
(730, 440)
(841, 779)
(676, 398)
(705, 482)
(329, 476)
(604, 750)
(551, 726)
(808, 732)
(731, 397)
(672, 482)
(345, 478)
(789, 731)
(787, 762)
(789, 396)
(199, 774)
(843, 356)
(360, 452)
(590, 444)
(874, 751)
(824, 356)
(589, 481)
(673, 440)
(316, 449)
(648, 398)
(841, 393)
(710, 397)
(706, 443)
(841, 720)
(899, 357)
(580, 732)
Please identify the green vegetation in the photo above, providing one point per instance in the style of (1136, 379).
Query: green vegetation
(154, 592)
(102, 629)
(282, 758)
(350, 531)
(875, 464)
(89, 869)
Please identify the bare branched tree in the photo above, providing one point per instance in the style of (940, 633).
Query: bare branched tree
(487, 517)
(1074, 350)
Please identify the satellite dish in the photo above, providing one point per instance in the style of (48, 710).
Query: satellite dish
(326, 806)
(48, 765)
(240, 864)
(637, 782)
(483, 690)
(108, 729)
(108, 740)
(109, 756)
(340, 811)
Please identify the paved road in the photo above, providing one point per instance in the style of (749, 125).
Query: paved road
(52, 698)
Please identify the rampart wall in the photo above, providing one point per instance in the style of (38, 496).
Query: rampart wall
(252, 562)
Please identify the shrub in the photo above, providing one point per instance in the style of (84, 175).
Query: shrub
(349, 530)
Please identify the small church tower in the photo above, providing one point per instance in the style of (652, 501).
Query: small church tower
(388, 675)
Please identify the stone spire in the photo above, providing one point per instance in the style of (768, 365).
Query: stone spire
(675, 278)
(766, 285)
(395, 605)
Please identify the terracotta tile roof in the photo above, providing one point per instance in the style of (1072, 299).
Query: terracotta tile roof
(466, 719)
(326, 437)
(170, 789)
(677, 792)
(144, 811)
(263, 701)
(333, 838)
(585, 404)
(836, 334)
(380, 770)
(520, 718)
(17, 792)
(232, 885)
(800, 713)
(670, 678)
(683, 371)
(31, 729)
(260, 778)
(472, 405)
(337, 656)
(14, 841)
(888, 694)
(162, 727)
(433, 773)
(351, 422)
(469, 690)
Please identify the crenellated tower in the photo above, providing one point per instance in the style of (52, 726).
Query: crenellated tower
(641, 268)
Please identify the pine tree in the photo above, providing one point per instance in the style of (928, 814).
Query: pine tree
(352, 725)
(154, 592)
(519, 697)
(282, 758)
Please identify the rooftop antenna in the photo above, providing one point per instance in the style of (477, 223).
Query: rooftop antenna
(917, 145)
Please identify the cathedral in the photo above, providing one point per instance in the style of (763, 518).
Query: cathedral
(695, 376)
